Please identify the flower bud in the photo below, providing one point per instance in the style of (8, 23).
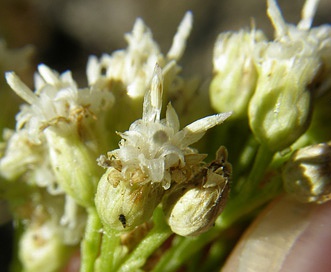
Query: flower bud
(41, 248)
(122, 203)
(307, 174)
(191, 208)
(73, 163)
(279, 111)
(235, 73)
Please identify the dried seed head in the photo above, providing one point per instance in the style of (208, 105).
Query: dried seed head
(191, 208)
(307, 174)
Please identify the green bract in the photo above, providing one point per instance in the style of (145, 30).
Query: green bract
(125, 204)
(235, 74)
(280, 109)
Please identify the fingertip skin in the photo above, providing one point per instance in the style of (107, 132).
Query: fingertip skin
(287, 236)
(312, 249)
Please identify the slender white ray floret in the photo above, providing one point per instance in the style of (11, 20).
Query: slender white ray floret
(179, 42)
(307, 14)
(284, 29)
(152, 145)
(308, 41)
(133, 66)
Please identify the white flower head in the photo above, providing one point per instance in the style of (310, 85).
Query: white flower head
(57, 98)
(154, 146)
(134, 66)
(304, 41)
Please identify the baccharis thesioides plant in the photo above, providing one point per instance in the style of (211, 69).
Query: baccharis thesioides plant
(131, 209)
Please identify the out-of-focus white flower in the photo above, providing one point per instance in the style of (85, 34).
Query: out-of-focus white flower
(233, 85)
(41, 248)
(153, 146)
(133, 66)
(59, 134)
(314, 41)
(57, 98)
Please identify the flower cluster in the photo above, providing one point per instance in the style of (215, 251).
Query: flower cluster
(155, 147)
(153, 152)
(120, 209)
(276, 81)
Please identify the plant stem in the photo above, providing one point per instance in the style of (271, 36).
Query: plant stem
(239, 205)
(91, 243)
(153, 240)
(107, 260)
(182, 250)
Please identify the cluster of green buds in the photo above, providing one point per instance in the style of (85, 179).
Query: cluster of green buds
(273, 83)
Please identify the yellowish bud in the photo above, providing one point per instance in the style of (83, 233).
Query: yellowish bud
(307, 174)
(191, 208)
(235, 73)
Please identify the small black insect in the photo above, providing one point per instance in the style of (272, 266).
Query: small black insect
(122, 218)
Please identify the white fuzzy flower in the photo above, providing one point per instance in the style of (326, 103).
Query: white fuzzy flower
(57, 98)
(152, 146)
(309, 41)
(133, 66)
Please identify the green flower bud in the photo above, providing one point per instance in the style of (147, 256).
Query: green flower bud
(235, 73)
(307, 174)
(123, 203)
(279, 111)
(73, 163)
(191, 208)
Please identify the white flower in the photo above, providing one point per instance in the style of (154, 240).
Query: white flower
(25, 158)
(57, 98)
(133, 67)
(153, 146)
(309, 41)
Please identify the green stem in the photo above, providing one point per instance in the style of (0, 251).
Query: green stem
(182, 249)
(91, 243)
(107, 260)
(246, 157)
(239, 205)
(261, 163)
(153, 240)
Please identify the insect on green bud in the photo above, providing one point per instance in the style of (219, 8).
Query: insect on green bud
(123, 204)
(307, 174)
(191, 208)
